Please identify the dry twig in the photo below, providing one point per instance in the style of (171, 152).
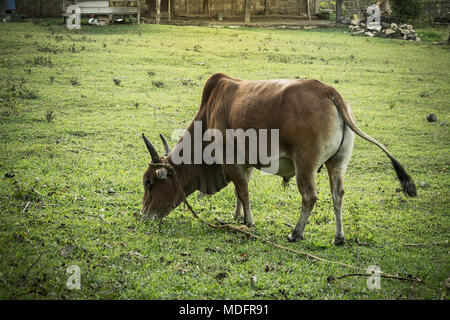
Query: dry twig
(382, 275)
(34, 263)
(426, 244)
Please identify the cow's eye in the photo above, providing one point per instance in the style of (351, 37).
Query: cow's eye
(148, 184)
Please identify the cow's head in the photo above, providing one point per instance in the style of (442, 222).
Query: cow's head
(161, 193)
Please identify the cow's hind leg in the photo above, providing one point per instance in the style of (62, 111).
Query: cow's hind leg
(337, 166)
(307, 188)
(336, 174)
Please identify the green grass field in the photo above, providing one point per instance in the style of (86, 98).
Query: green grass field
(74, 104)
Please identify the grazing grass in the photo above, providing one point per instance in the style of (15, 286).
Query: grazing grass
(73, 106)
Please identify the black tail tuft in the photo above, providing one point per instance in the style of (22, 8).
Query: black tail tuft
(408, 186)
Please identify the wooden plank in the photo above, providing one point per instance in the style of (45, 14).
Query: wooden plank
(139, 13)
(93, 4)
(110, 10)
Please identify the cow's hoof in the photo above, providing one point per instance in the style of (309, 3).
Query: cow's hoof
(250, 225)
(238, 215)
(339, 241)
(292, 238)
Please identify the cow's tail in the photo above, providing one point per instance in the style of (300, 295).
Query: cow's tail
(408, 186)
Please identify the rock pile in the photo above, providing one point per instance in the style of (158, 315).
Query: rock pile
(385, 30)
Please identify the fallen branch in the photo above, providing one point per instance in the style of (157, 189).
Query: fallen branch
(26, 207)
(102, 217)
(425, 244)
(243, 230)
(382, 275)
(434, 92)
(288, 225)
(161, 113)
(34, 263)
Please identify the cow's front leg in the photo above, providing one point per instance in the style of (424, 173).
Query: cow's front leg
(242, 192)
(238, 175)
(239, 209)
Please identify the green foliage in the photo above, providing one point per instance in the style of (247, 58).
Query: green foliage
(406, 10)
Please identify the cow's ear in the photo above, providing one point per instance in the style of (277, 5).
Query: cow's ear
(161, 174)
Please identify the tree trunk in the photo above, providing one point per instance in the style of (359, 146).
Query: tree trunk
(158, 11)
(358, 9)
(247, 11)
(168, 10)
(338, 10)
(206, 7)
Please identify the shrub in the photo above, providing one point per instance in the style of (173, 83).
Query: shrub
(49, 115)
(74, 81)
(406, 10)
(158, 83)
(42, 61)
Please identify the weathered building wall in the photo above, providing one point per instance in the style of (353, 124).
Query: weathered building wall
(39, 8)
(433, 9)
(349, 7)
(236, 7)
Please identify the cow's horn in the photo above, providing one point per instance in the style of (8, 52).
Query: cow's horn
(151, 149)
(166, 145)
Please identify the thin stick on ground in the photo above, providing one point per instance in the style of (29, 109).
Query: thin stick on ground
(34, 263)
(26, 206)
(158, 109)
(288, 225)
(382, 275)
(426, 244)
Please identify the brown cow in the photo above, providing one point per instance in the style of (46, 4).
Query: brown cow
(313, 122)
